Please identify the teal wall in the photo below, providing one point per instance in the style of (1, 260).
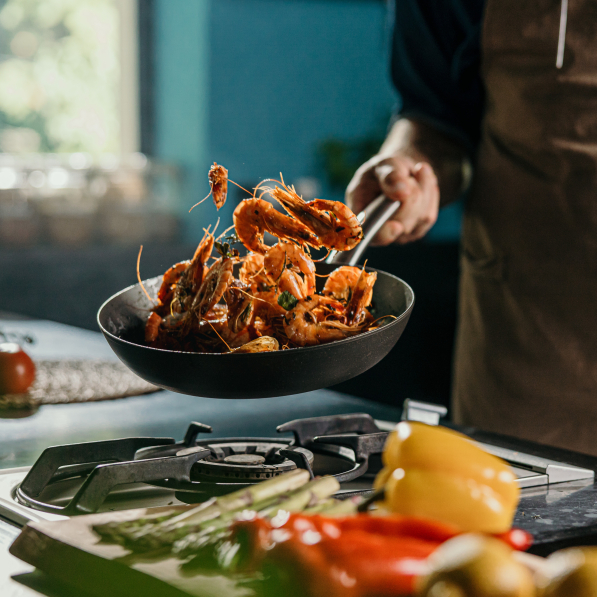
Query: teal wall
(182, 98)
(257, 84)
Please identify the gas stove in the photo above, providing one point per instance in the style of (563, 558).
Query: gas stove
(140, 472)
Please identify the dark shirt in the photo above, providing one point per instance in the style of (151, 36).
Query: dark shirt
(436, 64)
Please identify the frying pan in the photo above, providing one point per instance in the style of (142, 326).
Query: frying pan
(262, 375)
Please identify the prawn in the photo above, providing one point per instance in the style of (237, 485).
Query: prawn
(252, 273)
(152, 327)
(171, 277)
(240, 306)
(333, 222)
(340, 282)
(218, 186)
(252, 217)
(262, 344)
(284, 263)
(362, 292)
(213, 287)
(192, 277)
(303, 328)
(218, 182)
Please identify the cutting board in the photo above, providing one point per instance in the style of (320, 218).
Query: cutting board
(70, 551)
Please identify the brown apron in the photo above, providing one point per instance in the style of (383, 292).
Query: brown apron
(526, 350)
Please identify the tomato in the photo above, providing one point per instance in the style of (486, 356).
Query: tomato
(17, 370)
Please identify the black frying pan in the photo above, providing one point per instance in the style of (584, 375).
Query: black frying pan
(262, 375)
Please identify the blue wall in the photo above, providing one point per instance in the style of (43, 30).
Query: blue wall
(257, 84)
(286, 74)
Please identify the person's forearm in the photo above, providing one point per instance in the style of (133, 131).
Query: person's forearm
(424, 143)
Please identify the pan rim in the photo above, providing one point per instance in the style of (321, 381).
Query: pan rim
(344, 341)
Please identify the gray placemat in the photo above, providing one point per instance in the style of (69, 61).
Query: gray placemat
(64, 381)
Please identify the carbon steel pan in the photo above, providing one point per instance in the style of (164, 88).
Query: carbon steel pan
(261, 375)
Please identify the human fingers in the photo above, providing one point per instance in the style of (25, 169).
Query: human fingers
(379, 175)
(390, 232)
(393, 174)
(418, 213)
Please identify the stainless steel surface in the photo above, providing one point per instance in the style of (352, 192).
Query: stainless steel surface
(539, 471)
(424, 412)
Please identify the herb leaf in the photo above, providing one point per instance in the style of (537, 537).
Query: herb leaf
(287, 301)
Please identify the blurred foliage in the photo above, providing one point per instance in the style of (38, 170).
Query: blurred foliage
(340, 158)
(59, 74)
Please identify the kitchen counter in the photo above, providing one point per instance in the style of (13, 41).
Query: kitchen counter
(557, 516)
(164, 414)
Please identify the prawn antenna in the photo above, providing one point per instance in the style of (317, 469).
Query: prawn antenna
(218, 335)
(380, 318)
(323, 258)
(243, 188)
(139, 275)
(222, 234)
(215, 228)
(200, 202)
(256, 298)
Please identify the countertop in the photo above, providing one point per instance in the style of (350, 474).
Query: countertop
(162, 414)
(557, 516)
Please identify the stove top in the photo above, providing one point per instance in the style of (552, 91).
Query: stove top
(146, 472)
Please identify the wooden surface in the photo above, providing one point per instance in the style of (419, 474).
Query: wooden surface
(72, 553)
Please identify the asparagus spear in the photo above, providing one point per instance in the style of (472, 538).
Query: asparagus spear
(153, 536)
(334, 508)
(296, 501)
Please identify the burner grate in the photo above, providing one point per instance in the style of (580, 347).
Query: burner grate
(243, 461)
(201, 468)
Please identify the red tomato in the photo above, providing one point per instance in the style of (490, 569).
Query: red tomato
(17, 370)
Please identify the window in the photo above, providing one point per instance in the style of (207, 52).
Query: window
(68, 80)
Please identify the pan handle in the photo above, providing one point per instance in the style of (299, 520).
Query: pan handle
(373, 217)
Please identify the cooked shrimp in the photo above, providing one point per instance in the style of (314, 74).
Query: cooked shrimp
(341, 281)
(334, 223)
(171, 277)
(218, 182)
(263, 344)
(303, 327)
(240, 306)
(236, 339)
(252, 217)
(213, 287)
(362, 292)
(152, 327)
(252, 273)
(284, 263)
(192, 277)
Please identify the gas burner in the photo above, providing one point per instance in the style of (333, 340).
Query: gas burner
(245, 461)
(339, 445)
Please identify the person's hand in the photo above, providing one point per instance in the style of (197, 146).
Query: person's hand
(399, 178)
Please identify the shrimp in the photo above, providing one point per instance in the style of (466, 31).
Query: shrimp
(192, 278)
(263, 344)
(213, 287)
(218, 182)
(171, 277)
(340, 282)
(152, 327)
(252, 273)
(240, 306)
(362, 292)
(236, 339)
(284, 263)
(333, 222)
(252, 217)
(303, 328)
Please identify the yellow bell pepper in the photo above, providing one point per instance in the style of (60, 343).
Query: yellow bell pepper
(434, 472)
